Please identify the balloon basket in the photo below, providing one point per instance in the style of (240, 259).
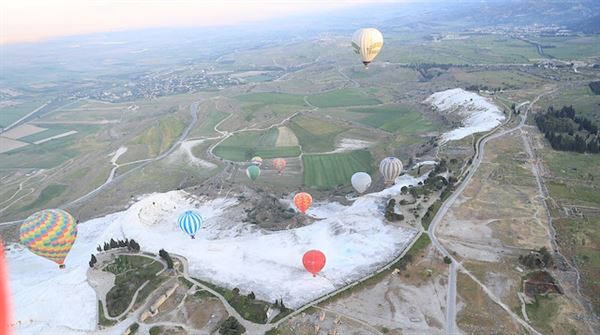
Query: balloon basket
(61, 266)
(352, 196)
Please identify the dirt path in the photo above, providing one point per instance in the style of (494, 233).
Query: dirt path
(455, 266)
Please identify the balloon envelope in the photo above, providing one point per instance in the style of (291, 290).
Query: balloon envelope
(253, 172)
(50, 234)
(361, 181)
(256, 160)
(314, 261)
(390, 168)
(367, 42)
(279, 164)
(190, 222)
(303, 201)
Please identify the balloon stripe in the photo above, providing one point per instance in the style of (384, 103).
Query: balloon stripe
(49, 233)
(190, 222)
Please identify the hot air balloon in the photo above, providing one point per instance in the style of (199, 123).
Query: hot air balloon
(390, 168)
(253, 172)
(189, 222)
(49, 233)
(279, 165)
(313, 261)
(367, 42)
(302, 201)
(256, 160)
(361, 182)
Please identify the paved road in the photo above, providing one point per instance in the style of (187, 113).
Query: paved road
(454, 266)
(193, 111)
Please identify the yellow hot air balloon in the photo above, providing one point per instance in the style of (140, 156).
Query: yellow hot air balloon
(49, 233)
(367, 42)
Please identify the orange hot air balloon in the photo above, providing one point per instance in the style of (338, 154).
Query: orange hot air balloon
(314, 261)
(279, 164)
(4, 296)
(302, 201)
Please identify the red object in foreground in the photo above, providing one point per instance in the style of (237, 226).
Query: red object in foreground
(313, 261)
(4, 304)
(302, 201)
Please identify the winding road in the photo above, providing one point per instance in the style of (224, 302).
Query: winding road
(455, 266)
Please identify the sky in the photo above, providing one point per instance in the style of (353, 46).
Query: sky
(35, 20)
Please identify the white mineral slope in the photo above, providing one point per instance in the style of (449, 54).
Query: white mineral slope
(226, 251)
(47, 298)
(478, 114)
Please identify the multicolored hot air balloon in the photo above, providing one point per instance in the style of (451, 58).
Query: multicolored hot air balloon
(256, 160)
(190, 222)
(390, 168)
(253, 172)
(50, 234)
(303, 201)
(314, 261)
(361, 182)
(279, 165)
(367, 43)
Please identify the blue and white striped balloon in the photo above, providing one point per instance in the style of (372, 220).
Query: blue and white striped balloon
(190, 222)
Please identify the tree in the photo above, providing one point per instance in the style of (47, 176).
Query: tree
(106, 246)
(93, 259)
(113, 244)
(134, 246)
(99, 248)
(231, 326)
(165, 255)
(447, 260)
(251, 296)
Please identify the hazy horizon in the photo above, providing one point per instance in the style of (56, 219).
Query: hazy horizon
(36, 20)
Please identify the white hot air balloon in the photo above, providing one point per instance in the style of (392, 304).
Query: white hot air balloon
(361, 182)
(367, 42)
(390, 168)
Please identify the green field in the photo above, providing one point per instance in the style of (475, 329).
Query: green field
(272, 98)
(243, 146)
(315, 135)
(49, 132)
(46, 195)
(542, 312)
(474, 49)
(342, 98)
(131, 272)
(41, 156)
(330, 170)
(241, 154)
(569, 47)
(10, 114)
(395, 119)
(574, 180)
(206, 126)
(585, 102)
(495, 79)
(154, 140)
